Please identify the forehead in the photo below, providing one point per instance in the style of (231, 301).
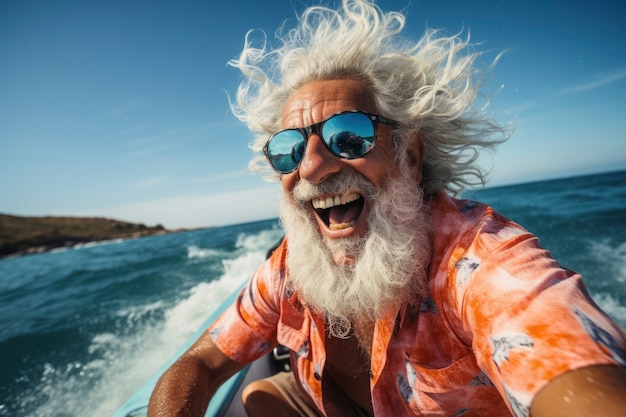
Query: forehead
(317, 100)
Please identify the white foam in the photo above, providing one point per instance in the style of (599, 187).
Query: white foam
(194, 251)
(87, 245)
(124, 360)
(98, 243)
(613, 256)
(260, 241)
(612, 307)
(136, 314)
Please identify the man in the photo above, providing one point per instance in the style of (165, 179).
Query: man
(394, 298)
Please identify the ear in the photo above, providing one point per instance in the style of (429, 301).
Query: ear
(415, 156)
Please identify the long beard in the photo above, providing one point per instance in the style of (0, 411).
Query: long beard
(389, 261)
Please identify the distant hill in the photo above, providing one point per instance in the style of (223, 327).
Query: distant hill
(25, 235)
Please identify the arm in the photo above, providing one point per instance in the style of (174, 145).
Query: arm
(534, 327)
(186, 388)
(591, 391)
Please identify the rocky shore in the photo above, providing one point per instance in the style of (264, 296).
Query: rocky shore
(28, 235)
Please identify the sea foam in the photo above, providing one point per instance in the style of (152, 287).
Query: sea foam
(122, 361)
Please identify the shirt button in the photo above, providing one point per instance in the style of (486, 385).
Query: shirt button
(317, 376)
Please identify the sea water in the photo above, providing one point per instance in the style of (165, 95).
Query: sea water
(81, 329)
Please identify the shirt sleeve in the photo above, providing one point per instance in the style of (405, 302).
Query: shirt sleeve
(527, 319)
(247, 329)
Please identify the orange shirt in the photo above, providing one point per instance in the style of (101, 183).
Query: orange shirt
(501, 319)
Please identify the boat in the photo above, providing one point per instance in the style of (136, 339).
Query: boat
(227, 400)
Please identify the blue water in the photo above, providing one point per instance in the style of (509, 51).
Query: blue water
(82, 329)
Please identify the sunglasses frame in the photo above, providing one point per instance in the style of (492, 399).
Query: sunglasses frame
(316, 128)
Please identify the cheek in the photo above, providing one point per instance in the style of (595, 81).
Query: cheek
(288, 182)
(378, 166)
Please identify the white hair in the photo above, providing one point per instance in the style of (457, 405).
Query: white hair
(389, 262)
(430, 86)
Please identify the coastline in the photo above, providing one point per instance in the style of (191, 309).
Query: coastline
(21, 236)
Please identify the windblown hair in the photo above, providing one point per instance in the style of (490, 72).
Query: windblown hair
(430, 87)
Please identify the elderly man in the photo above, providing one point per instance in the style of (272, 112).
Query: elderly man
(394, 298)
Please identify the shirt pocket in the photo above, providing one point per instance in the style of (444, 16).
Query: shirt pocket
(457, 389)
(293, 339)
(459, 374)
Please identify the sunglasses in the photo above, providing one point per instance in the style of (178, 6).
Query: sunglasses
(349, 134)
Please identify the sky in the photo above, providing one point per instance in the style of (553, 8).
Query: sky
(120, 108)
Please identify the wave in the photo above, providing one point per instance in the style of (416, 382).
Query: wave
(612, 307)
(261, 241)
(613, 256)
(88, 245)
(245, 242)
(121, 358)
(99, 243)
(118, 362)
(195, 252)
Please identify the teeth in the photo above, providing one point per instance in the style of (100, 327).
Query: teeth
(328, 202)
(340, 226)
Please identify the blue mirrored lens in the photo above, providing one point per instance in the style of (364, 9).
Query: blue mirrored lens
(349, 135)
(285, 150)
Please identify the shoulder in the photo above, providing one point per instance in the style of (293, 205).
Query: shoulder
(479, 256)
(467, 226)
(451, 216)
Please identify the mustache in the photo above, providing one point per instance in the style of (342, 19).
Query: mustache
(391, 258)
(339, 183)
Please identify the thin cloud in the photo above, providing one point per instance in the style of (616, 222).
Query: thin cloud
(199, 210)
(605, 79)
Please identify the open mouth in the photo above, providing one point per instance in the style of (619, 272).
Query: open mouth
(340, 211)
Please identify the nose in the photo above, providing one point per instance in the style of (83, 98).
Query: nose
(318, 163)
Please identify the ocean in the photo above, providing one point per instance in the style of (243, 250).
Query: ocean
(81, 329)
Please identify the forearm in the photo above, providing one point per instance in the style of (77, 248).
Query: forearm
(184, 390)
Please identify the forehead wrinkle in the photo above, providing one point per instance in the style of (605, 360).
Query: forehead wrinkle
(316, 112)
(317, 101)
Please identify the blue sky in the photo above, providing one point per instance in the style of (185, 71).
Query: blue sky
(119, 108)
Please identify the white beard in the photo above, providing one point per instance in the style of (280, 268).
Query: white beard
(390, 261)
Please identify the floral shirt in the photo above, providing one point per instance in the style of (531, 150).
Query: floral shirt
(500, 319)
